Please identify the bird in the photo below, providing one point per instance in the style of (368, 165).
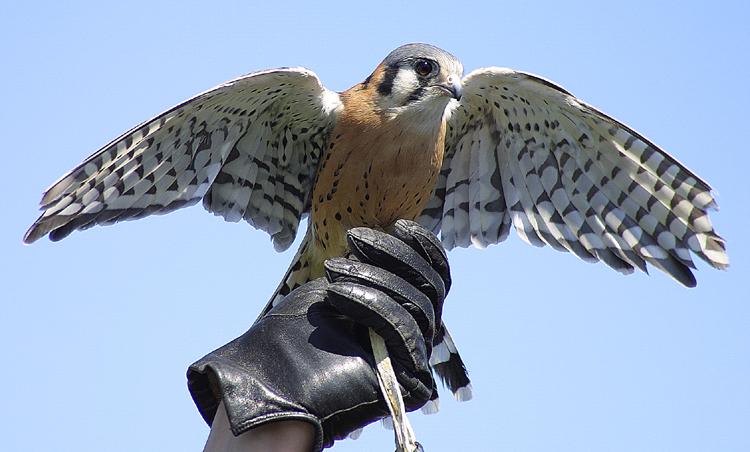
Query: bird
(465, 156)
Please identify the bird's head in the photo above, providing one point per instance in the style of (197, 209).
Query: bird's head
(416, 77)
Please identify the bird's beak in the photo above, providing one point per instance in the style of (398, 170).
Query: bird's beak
(454, 87)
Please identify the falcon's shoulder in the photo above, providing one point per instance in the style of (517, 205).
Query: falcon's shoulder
(249, 148)
(522, 150)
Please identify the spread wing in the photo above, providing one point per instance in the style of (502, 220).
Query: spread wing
(523, 151)
(249, 148)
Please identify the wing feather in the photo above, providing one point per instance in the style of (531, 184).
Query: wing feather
(521, 221)
(593, 232)
(634, 186)
(457, 190)
(521, 173)
(249, 148)
(556, 204)
(567, 175)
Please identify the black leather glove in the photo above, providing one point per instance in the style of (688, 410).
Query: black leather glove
(310, 358)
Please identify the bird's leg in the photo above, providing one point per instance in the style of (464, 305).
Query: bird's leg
(405, 439)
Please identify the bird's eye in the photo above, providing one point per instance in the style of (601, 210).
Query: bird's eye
(423, 68)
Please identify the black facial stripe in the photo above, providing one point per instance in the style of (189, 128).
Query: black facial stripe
(386, 86)
(416, 94)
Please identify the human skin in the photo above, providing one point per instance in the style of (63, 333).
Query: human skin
(282, 436)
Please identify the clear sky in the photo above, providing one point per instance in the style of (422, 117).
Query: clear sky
(97, 330)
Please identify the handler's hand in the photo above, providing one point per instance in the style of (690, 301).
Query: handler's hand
(309, 359)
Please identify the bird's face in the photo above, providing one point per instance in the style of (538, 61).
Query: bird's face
(417, 77)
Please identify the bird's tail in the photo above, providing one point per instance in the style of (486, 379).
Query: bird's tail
(448, 365)
(306, 266)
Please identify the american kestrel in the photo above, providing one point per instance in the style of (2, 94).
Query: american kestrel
(465, 156)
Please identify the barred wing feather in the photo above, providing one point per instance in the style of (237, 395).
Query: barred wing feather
(248, 148)
(523, 151)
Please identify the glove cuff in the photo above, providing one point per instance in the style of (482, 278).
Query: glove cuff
(212, 381)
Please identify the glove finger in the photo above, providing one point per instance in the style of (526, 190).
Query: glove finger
(415, 302)
(386, 251)
(427, 245)
(406, 346)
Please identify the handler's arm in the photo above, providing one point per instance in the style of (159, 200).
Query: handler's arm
(288, 436)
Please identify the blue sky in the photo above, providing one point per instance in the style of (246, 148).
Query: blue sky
(565, 356)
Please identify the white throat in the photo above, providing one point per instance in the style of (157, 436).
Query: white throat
(422, 117)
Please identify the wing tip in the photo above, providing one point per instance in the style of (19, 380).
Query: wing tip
(680, 272)
(57, 227)
(687, 280)
(716, 253)
(34, 233)
(721, 266)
